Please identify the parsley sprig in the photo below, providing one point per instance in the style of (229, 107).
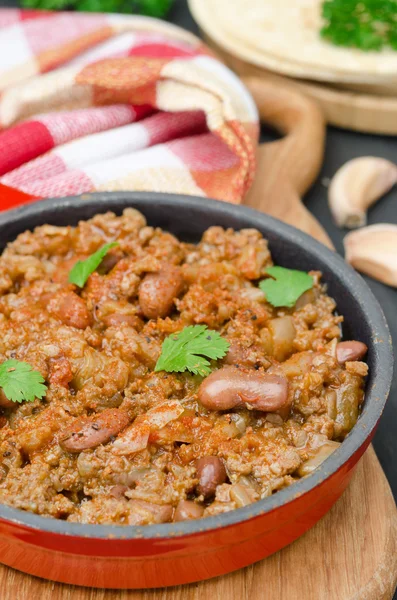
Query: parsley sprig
(151, 8)
(363, 24)
(189, 350)
(20, 382)
(285, 286)
(84, 268)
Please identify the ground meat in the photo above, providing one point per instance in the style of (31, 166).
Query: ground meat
(97, 348)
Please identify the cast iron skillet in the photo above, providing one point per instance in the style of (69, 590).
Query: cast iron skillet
(187, 217)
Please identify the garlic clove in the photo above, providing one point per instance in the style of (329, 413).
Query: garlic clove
(356, 186)
(373, 251)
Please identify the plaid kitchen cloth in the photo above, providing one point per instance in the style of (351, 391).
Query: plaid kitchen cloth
(99, 102)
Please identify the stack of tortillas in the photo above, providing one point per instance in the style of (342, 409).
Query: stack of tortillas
(357, 89)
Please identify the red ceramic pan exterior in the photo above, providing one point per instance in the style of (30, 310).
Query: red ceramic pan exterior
(172, 554)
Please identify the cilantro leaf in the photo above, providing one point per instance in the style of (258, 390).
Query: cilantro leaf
(369, 25)
(83, 268)
(152, 8)
(285, 286)
(189, 350)
(20, 382)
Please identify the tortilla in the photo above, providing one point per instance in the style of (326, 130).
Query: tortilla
(284, 36)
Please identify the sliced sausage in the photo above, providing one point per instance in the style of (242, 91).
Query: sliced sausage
(158, 291)
(230, 387)
(92, 432)
(211, 472)
(350, 351)
(187, 510)
(70, 309)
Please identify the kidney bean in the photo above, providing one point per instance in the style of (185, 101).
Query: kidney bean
(70, 309)
(350, 351)
(211, 472)
(5, 402)
(230, 387)
(187, 510)
(157, 292)
(92, 432)
(108, 262)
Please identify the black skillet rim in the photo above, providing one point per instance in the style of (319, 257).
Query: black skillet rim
(375, 399)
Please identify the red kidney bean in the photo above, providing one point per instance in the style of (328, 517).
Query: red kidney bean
(108, 262)
(70, 309)
(350, 351)
(93, 431)
(187, 510)
(5, 402)
(230, 387)
(158, 291)
(211, 472)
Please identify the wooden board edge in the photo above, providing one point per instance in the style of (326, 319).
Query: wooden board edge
(351, 110)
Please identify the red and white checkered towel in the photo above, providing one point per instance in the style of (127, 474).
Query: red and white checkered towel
(113, 102)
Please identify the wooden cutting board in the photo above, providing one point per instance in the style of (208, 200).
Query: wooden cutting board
(347, 108)
(351, 554)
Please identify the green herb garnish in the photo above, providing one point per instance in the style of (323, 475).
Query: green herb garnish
(187, 350)
(363, 24)
(20, 382)
(285, 286)
(151, 8)
(84, 268)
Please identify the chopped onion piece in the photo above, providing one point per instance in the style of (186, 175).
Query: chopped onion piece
(160, 415)
(319, 457)
(243, 495)
(136, 437)
(283, 334)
